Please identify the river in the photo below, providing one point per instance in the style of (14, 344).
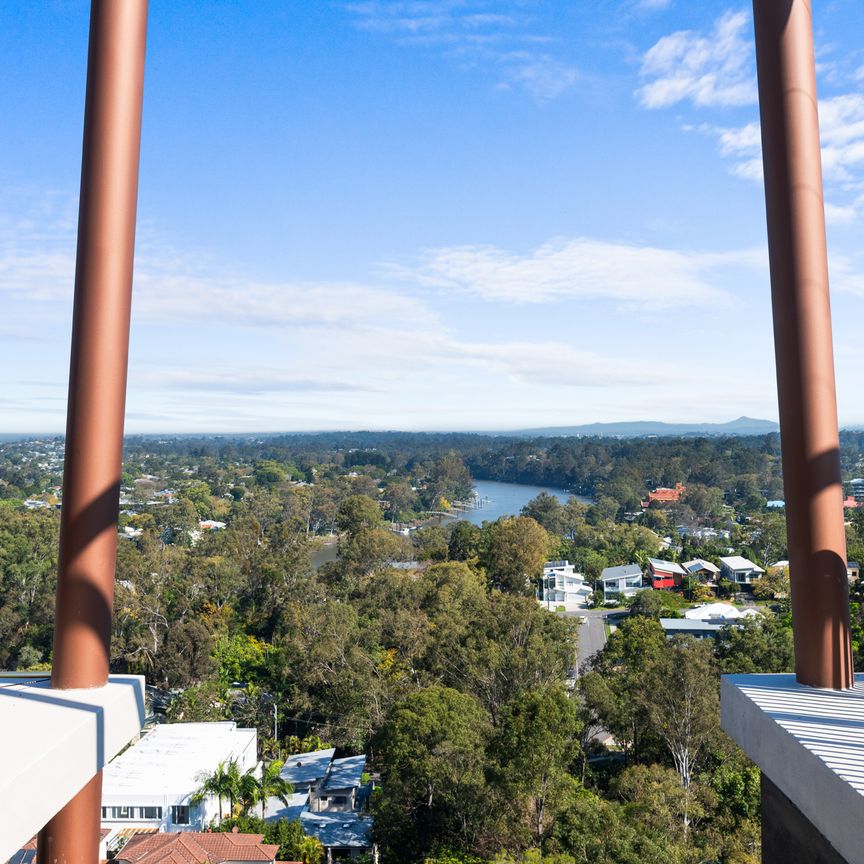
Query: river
(496, 500)
(507, 499)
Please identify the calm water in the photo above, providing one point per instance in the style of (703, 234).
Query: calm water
(508, 499)
(498, 499)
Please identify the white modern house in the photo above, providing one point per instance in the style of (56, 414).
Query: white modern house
(740, 570)
(561, 585)
(622, 581)
(151, 785)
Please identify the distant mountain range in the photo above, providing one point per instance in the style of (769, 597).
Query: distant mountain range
(648, 428)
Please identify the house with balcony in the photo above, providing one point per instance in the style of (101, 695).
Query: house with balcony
(153, 783)
(741, 571)
(703, 570)
(562, 586)
(621, 582)
(664, 575)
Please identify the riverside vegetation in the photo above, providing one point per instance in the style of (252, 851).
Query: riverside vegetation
(485, 745)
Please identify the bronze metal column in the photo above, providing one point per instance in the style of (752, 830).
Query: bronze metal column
(802, 341)
(97, 385)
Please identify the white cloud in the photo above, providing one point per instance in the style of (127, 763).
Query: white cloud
(841, 124)
(653, 5)
(544, 77)
(707, 70)
(637, 275)
(246, 381)
(503, 41)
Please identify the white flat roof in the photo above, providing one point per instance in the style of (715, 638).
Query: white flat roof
(170, 758)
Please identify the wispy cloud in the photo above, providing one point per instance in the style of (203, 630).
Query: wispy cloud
(714, 69)
(247, 381)
(501, 37)
(642, 276)
(841, 123)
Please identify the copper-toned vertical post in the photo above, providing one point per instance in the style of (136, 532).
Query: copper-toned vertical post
(97, 385)
(802, 340)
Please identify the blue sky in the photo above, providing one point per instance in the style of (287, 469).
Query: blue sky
(430, 214)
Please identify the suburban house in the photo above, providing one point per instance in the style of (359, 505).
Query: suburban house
(853, 570)
(702, 570)
(622, 581)
(306, 771)
(740, 570)
(201, 848)
(330, 799)
(151, 785)
(343, 835)
(719, 613)
(343, 789)
(665, 495)
(664, 574)
(687, 627)
(561, 585)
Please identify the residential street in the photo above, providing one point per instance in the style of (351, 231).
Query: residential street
(592, 633)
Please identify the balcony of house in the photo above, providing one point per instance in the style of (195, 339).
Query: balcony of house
(54, 742)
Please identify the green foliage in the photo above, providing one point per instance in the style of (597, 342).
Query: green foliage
(204, 702)
(358, 513)
(759, 644)
(294, 844)
(240, 657)
(268, 473)
(431, 753)
(513, 551)
(657, 604)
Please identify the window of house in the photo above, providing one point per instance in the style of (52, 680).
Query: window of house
(151, 812)
(180, 814)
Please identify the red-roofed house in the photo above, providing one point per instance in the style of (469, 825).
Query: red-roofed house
(664, 495)
(192, 847)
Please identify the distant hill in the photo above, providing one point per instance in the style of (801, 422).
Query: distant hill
(647, 428)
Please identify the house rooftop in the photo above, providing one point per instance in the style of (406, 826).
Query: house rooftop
(171, 758)
(339, 830)
(275, 809)
(620, 572)
(307, 767)
(684, 625)
(738, 562)
(192, 847)
(712, 611)
(346, 773)
(698, 564)
(666, 566)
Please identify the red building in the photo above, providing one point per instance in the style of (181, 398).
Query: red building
(665, 495)
(664, 574)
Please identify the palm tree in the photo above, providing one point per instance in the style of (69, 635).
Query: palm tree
(233, 783)
(273, 785)
(223, 783)
(249, 790)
